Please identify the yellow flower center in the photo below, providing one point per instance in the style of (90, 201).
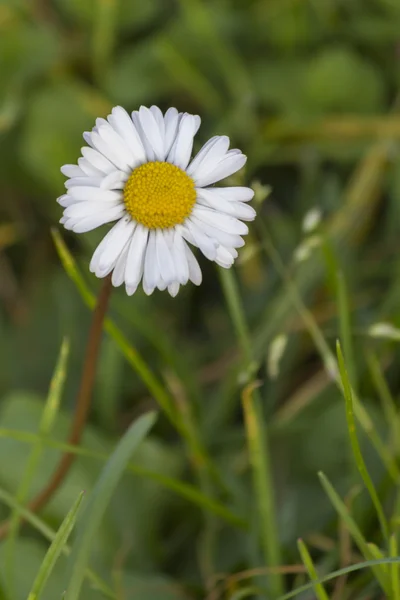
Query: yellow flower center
(159, 195)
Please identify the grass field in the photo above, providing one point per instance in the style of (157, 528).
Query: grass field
(244, 437)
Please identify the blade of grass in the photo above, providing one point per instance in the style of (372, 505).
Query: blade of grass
(353, 529)
(55, 550)
(49, 534)
(309, 565)
(185, 490)
(378, 555)
(262, 484)
(155, 387)
(361, 466)
(99, 500)
(345, 328)
(394, 571)
(49, 414)
(257, 434)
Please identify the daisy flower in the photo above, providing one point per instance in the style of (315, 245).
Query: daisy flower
(137, 170)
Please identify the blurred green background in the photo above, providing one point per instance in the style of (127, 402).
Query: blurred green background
(308, 89)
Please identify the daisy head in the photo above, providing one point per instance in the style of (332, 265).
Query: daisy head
(137, 170)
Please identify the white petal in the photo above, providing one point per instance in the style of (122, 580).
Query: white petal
(240, 210)
(105, 142)
(88, 169)
(95, 194)
(118, 275)
(233, 194)
(114, 181)
(152, 132)
(88, 138)
(157, 114)
(97, 160)
(125, 156)
(148, 148)
(68, 223)
(197, 123)
(171, 120)
(136, 257)
(232, 251)
(223, 222)
(131, 289)
(224, 258)
(164, 258)
(173, 289)
(99, 122)
(65, 200)
(181, 149)
(208, 157)
(110, 248)
(94, 221)
(72, 171)
(80, 210)
(177, 248)
(85, 180)
(202, 153)
(226, 167)
(195, 275)
(195, 235)
(151, 274)
(217, 235)
(123, 124)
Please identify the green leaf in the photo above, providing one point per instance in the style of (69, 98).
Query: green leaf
(55, 550)
(99, 500)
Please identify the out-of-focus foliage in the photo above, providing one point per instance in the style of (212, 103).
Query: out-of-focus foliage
(309, 90)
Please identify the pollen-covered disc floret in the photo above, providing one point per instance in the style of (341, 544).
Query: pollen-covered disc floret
(137, 170)
(159, 195)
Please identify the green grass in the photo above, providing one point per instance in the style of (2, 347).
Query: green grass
(273, 468)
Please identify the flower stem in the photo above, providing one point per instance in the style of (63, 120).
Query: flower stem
(82, 405)
(260, 453)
